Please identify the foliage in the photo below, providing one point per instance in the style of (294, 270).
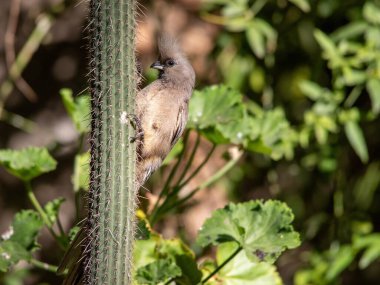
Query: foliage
(295, 119)
(253, 237)
(28, 163)
(19, 241)
(262, 230)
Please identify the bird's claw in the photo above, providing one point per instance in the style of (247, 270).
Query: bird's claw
(138, 137)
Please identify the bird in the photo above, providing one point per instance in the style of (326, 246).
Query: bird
(162, 107)
(160, 119)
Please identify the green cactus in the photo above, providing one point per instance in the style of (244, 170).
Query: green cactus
(112, 197)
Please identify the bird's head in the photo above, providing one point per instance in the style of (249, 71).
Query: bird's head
(173, 64)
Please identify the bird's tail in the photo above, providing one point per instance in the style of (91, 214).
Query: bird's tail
(72, 262)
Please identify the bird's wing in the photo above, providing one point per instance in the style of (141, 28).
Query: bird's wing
(180, 124)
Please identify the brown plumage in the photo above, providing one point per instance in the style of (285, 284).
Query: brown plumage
(161, 113)
(162, 108)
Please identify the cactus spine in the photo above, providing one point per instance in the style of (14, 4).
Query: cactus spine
(110, 223)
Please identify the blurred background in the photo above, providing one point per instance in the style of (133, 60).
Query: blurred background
(317, 61)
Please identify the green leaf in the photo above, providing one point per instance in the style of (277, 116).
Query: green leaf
(262, 229)
(371, 13)
(81, 175)
(10, 253)
(25, 228)
(256, 40)
(342, 258)
(356, 138)
(329, 48)
(156, 248)
(157, 272)
(52, 208)
(349, 31)
(311, 89)
(176, 150)
(371, 246)
(302, 4)
(78, 109)
(241, 270)
(27, 163)
(218, 112)
(373, 89)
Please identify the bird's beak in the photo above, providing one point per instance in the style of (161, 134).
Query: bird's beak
(157, 65)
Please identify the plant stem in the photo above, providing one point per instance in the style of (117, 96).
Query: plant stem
(199, 167)
(191, 158)
(40, 210)
(216, 270)
(37, 204)
(166, 206)
(227, 167)
(43, 265)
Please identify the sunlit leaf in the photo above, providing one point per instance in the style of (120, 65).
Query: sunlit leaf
(81, 175)
(373, 89)
(356, 138)
(10, 253)
(78, 109)
(27, 163)
(341, 260)
(371, 246)
(157, 272)
(263, 230)
(218, 112)
(371, 13)
(52, 208)
(256, 40)
(155, 248)
(241, 270)
(304, 5)
(25, 228)
(176, 150)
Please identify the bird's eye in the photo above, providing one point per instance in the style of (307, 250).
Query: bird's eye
(170, 62)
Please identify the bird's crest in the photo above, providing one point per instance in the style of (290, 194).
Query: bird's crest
(168, 47)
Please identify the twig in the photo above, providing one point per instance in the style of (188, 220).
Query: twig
(43, 265)
(216, 270)
(44, 22)
(41, 211)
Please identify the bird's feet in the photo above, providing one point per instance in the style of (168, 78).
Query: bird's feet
(136, 124)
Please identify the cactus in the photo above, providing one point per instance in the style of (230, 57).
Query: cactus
(110, 223)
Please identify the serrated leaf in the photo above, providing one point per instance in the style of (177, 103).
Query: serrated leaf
(157, 272)
(156, 248)
(373, 89)
(304, 5)
(81, 175)
(52, 208)
(26, 226)
(218, 112)
(356, 138)
(11, 252)
(27, 163)
(262, 229)
(241, 270)
(78, 109)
